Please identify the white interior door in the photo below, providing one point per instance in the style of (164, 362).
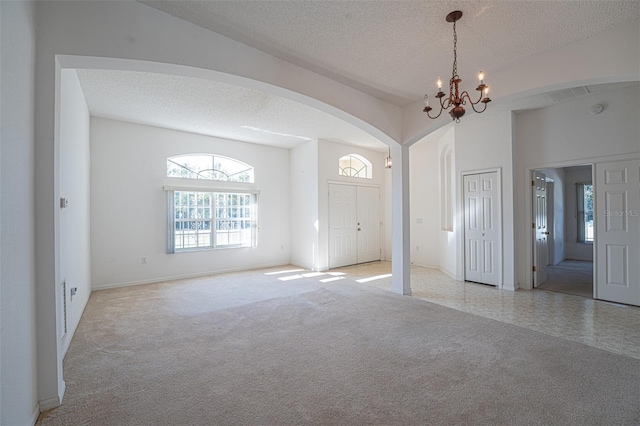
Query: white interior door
(368, 223)
(541, 251)
(483, 249)
(617, 231)
(342, 225)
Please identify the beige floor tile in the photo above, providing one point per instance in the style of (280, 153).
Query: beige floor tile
(610, 326)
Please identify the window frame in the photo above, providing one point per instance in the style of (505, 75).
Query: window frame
(581, 235)
(172, 221)
(367, 167)
(215, 173)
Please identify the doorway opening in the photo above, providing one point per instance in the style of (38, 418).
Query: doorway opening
(563, 230)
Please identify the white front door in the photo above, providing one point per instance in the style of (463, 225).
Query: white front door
(617, 231)
(483, 249)
(354, 224)
(368, 223)
(541, 250)
(342, 225)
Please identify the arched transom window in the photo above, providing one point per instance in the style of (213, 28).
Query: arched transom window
(209, 167)
(354, 165)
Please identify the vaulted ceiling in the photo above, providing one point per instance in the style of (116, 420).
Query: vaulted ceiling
(396, 50)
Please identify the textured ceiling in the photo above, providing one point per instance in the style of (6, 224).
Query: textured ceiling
(217, 109)
(213, 108)
(396, 50)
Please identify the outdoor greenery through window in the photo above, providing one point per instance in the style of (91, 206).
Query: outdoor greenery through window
(209, 220)
(585, 212)
(354, 165)
(210, 167)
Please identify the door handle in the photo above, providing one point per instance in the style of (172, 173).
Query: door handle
(546, 232)
(359, 229)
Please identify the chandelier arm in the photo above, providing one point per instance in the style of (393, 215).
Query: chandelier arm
(464, 95)
(473, 106)
(446, 104)
(433, 118)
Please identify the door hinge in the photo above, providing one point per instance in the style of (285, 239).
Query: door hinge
(534, 268)
(533, 183)
(533, 226)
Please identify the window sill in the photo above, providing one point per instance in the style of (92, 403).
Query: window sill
(191, 250)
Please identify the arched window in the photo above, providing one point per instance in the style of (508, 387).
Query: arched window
(354, 165)
(209, 167)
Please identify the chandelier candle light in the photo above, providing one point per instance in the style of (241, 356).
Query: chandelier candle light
(456, 99)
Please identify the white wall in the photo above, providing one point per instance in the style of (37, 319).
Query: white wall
(328, 155)
(75, 232)
(388, 233)
(566, 134)
(424, 200)
(18, 368)
(483, 141)
(574, 249)
(304, 204)
(128, 204)
(448, 255)
(556, 251)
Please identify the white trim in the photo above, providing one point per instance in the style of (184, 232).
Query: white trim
(229, 189)
(55, 401)
(352, 183)
(185, 276)
(34, 415)
(461, 211)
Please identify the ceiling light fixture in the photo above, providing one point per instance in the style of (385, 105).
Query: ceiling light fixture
(387, 160)
(455, 98)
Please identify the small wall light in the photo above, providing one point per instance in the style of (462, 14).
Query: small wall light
(387, 161)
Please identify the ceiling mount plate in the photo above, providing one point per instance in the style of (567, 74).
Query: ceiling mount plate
(454, 16)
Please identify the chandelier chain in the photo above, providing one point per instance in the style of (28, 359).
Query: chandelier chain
(455, 51)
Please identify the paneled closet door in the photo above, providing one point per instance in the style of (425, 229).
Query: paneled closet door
(482, 246)
(617, 232)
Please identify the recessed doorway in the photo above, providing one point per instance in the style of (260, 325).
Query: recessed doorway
(563, 230)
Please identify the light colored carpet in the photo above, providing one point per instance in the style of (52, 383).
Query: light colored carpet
(570, 277)
(251, 349)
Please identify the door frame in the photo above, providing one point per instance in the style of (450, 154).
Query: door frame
(527, 284)
(461, 209)
(328, 217)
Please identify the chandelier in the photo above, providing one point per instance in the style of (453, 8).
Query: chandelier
(456, 99)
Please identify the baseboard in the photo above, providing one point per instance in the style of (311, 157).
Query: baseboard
(448, 273)
(426, 266)
(54, 402)
(181, 277)
(34, 415)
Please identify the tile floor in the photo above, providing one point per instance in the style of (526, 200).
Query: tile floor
(609, 326)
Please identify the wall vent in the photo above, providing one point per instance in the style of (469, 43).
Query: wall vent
(64, 309)
(566, 94)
